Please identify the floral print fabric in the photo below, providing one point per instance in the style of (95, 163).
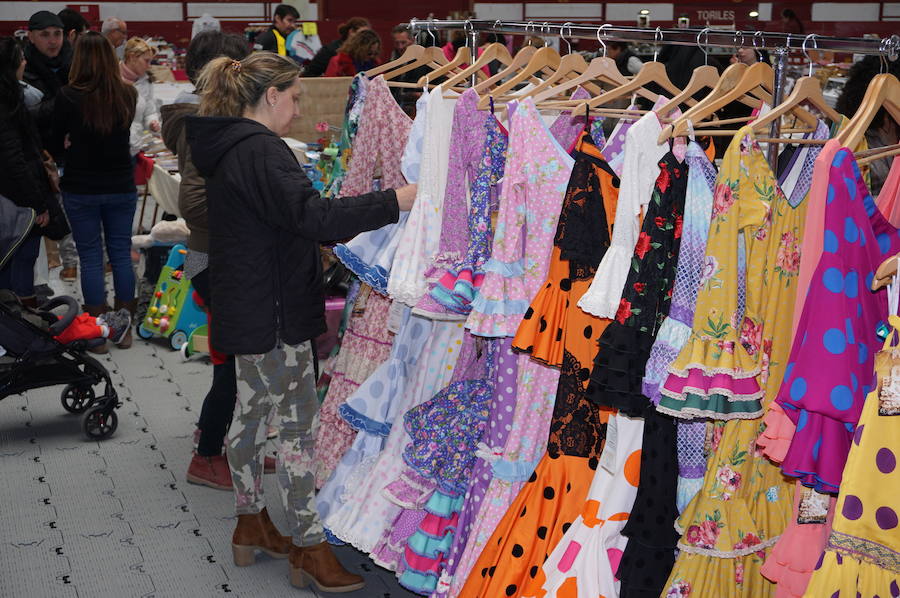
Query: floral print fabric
(466, 157)
(383, 133)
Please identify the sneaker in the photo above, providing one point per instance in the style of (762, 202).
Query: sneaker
(119, 323)
(69, 274)
(210, 471)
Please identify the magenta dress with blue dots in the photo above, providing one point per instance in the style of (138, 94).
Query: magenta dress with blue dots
(829, 373)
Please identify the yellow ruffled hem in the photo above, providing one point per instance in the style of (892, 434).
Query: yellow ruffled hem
(722, 524)
(851, 577)
(699, 576)
(715, 356)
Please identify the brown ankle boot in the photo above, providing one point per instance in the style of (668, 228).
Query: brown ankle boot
(317, 565)
(131, 306)
(97, 310)
(257, 532)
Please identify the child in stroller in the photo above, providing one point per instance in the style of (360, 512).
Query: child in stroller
(39, 349)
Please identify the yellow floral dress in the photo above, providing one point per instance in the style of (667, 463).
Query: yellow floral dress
(745, 503)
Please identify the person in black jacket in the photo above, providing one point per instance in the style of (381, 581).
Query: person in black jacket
(23, 178)
(283, 23)
(48, 59)
(90, 127)
(265, 225)
(319, 63)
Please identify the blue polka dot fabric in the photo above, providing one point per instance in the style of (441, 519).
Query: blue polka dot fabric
(830, 368)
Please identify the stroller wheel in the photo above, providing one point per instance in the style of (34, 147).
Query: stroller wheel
(98, 425)
(76, 399)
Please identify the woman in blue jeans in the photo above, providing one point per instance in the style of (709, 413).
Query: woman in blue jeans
(91, 120)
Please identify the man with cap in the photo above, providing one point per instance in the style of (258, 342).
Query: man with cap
(47, 58)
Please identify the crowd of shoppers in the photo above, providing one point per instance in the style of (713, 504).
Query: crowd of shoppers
(255, 226)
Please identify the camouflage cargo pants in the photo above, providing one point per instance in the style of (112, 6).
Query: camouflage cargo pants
(281, 380)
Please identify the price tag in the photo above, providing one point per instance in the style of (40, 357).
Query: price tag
(310, 29)
(395, 317)
(608, 458)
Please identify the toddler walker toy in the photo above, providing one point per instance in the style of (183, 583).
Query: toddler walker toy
(173, 313)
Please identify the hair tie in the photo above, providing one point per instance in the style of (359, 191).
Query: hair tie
(236, 66)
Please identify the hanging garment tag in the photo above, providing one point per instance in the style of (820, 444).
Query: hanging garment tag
(813, 507)
(310, 29)
(608, 458)
(889, 393)
(395, 317)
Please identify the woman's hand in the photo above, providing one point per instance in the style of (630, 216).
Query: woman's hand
(406, 197)
(43, 219)
(155, 126)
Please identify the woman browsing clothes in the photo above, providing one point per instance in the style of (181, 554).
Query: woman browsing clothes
(265, 225)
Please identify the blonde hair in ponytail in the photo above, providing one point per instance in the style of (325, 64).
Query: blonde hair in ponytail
(227, 87)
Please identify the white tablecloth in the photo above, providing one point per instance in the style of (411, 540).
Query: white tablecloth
(166, 93)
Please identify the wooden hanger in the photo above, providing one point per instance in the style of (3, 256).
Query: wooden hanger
(492, 52)
(571, 67)
(602, 69)
(806, 89)
(733, 85)
(883, 92)
(884, 273)
(410, 54)
(651, 72)
(433, 59)
(546, 59)
(463, 56)
(519, 61)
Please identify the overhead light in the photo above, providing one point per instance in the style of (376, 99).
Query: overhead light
(754, 13)
(644, 11)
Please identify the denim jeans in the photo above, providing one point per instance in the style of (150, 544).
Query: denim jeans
(93, 219)
(18, 274)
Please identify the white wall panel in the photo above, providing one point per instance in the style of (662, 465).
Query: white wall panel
(22, 11)
(224, 10)
(498, 10)
(890, 10)
(572, 11)
(628, 11)
(845, 11)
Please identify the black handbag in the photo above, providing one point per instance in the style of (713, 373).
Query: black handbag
(58, 226)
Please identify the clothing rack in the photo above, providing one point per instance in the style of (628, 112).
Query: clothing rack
(780, 43)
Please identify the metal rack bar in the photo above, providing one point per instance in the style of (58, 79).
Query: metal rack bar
(781, 43)
(889, 46)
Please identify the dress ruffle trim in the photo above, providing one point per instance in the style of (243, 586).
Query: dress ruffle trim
(712, 357)
(542, 329)
(776, 438)
(691, 406)
(374, 276)
(839, 573)
(793, 559)
(602, 297)
(865, 550)
(360, 422)
(731, 528)
(818, 451)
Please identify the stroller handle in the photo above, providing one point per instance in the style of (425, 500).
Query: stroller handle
(73, 310)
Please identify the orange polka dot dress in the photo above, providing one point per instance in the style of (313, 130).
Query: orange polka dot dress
(559, 334)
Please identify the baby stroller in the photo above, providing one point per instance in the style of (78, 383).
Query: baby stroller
(34, 359)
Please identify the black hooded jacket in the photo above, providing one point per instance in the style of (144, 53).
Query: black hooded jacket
(265, 225)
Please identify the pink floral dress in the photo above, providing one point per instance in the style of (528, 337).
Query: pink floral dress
(537, 175)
